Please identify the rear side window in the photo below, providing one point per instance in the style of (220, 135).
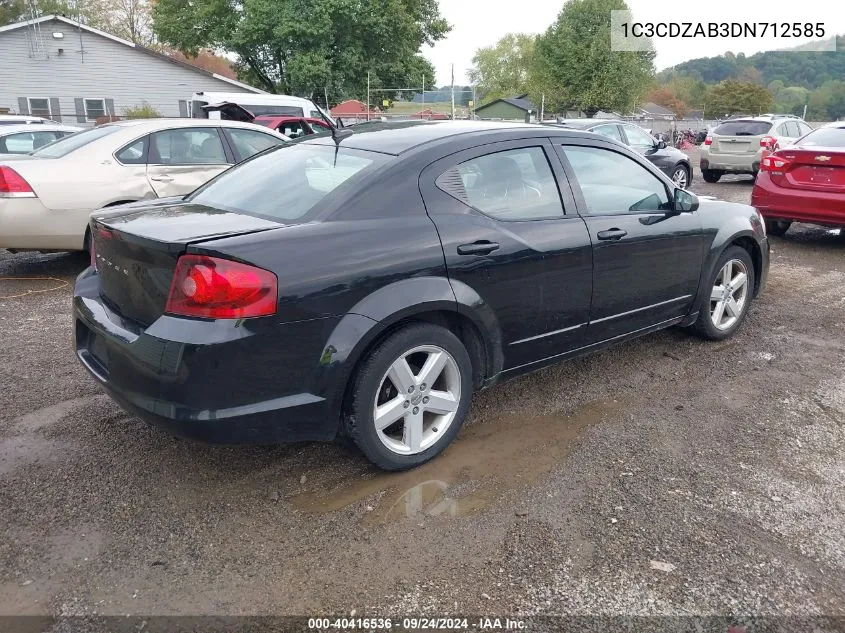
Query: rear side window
(793, 130)
(286, 183)
(512, 185)
(187, 146)
(71, 143)
(613, 184)
(135, 153)
(824, 137)
(743, 128)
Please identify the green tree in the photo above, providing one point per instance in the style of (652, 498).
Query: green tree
(734, 97)
(827, 103)
(575, 68)
(502, 70)
(18, 10)
(790, 100)
(305, 46)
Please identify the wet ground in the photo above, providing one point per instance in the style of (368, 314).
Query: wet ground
(665, 476)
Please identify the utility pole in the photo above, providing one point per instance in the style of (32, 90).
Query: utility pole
(423, 93)
(804, 116)
(453, 92)
(542, 107)
(472, 109)
(368, 95)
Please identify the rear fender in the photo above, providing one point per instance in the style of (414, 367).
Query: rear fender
(375, 315)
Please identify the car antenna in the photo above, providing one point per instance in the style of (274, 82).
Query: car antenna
(337, 134)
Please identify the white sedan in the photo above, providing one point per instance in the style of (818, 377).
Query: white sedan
(47, 196)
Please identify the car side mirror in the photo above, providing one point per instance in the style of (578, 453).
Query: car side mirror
(661, 144)
(685, 201)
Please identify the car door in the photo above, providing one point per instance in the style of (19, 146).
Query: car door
(512, 237)
(182, 159)
(246, 143)
(646, 258)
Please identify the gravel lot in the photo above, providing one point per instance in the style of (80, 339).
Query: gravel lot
(666, 476)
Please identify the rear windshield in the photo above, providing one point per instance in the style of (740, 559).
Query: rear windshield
(824, 137)
(71, 143)
(287, 182)
(743, 128)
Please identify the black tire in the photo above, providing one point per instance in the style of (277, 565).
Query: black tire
(704, 326)
(678, 168)
(711, 175)
(358, 416)
(777, 228)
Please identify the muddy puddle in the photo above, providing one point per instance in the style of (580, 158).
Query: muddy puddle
(490, 458)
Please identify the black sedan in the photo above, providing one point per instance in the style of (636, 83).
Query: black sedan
(366, 285)
(672, 162)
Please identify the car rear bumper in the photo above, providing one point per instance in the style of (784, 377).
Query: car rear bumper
(797, 204)
(734, 163)
(26, 224)
(227, 382)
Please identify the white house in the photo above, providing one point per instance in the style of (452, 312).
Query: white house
(55, 67)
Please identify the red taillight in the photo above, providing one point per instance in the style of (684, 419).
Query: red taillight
(768, 142)
(217, 288)
(13, 185)
(775, 163)
(708, 141)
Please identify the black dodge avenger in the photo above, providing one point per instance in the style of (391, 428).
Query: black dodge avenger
(365, 285)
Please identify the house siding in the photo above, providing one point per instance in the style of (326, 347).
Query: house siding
(500, 110)
(121, 75)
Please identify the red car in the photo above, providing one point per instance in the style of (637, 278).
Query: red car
(804, 182)
(292, 126)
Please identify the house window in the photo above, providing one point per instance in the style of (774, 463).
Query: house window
(39, 107)
(94, 109)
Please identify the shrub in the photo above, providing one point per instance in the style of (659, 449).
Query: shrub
(143, 111)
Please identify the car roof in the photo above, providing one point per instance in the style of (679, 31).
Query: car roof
(21, 117)
(166, 123)
(398, 137)
(583, 124)
(28, 127)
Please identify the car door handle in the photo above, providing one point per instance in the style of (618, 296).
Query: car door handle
(162, 178)
(481, 247)
(612, 234)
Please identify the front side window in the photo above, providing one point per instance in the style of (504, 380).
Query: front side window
(248, 143)
(613, 184)
(25, 142)
(187, 146)
(40, 107)
(639, 139)
(320, 127)
(511, 185)
(94, 109)
(610, 131)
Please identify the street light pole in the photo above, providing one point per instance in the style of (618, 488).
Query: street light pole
(368, 96)
(453, 92)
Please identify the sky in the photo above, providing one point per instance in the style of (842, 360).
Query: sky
(480, 23)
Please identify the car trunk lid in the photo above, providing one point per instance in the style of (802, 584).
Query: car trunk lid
(230, 111)
(813, 169)
(137, 247)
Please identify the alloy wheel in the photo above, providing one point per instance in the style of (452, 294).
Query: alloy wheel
(729, 296)
(417, 399)
(680, 178)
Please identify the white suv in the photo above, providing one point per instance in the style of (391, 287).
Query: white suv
(736, 146)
